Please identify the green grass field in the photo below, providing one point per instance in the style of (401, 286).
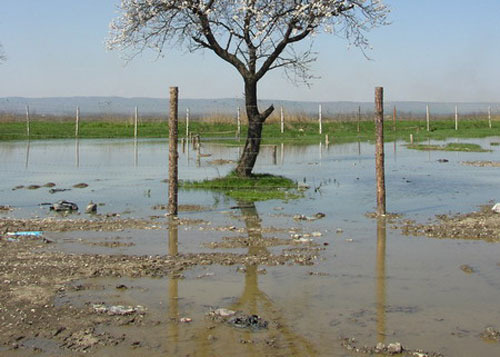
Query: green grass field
(297, 132)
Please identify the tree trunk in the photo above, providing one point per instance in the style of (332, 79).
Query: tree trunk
(254, 135)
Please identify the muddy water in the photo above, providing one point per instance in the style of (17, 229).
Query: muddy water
(369, 282)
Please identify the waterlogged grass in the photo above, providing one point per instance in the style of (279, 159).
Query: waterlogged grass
(258, 187)
(297, 132)
(449, 147)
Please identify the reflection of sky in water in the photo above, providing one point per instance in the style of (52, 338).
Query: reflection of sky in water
(127, 176)
(426, 296)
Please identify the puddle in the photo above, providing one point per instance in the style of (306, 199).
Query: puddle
(367, 280)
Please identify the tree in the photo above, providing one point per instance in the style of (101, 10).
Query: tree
(254, 36)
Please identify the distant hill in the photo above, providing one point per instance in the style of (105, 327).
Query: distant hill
(61, 106)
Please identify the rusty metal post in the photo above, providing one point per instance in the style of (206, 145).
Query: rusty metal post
(173, 155)
(379, 149)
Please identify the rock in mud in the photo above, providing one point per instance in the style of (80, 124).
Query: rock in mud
(117, 309)
(91, 208)
(49, 184)
(253, 322)
(63, 205)
(81, 185)
(33, 187)
(491, 334)
(467, 269)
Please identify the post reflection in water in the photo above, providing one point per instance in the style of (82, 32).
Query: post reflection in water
(380, 276)
(77, 152)
(136, 153)
(27, 160)
(173, 288)
(254, 301)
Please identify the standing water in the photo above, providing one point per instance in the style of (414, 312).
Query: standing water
(368, 281)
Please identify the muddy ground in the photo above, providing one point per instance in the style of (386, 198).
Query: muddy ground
(35, 275)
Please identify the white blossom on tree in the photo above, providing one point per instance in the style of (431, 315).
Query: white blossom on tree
(254, 36)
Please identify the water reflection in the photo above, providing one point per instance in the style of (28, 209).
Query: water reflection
(77, 152)
(26, 161)
(253, 300)
(380, 271)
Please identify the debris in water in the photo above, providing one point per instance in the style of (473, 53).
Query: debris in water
(91, 208)
(64, 206)
(81, 185)
(185, 319)
(118, 309)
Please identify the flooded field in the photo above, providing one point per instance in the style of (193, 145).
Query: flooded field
(314, 283)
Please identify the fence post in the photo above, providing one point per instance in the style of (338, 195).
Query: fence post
(282, 120)
(456, 117)
(320, 121)
(136, 120)
(427, 117)
(28, 121)
(187, 122)
(379, 149)
(77, 122)
(394, 114)
(172, 152)
(359, 116)
(238, 123)
(489, 116)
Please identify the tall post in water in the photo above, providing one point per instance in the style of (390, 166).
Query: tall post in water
(489, 116)
(320, 121)
(394, 113)
(428, 118)
(173, 154)
(456, 117)
(238, 123)
(77, 122)
(359, 116)
(136, 120)
(28, 121)
(379, 150)
(282, 120)
(187, 122)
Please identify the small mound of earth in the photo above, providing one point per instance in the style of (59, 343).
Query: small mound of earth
(482, 163)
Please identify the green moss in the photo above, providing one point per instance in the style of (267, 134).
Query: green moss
(258, 187)
(449, 147)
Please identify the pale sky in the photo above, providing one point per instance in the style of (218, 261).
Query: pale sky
(434, 50)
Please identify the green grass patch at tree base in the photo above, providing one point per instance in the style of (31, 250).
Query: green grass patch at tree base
(258, 187)
(449, 147)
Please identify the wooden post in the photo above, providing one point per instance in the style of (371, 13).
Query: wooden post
(28, 121)
(359, 116)
(187, 122)
(173, 155)
(77, 122)
(238, 123)
(394, 113)
(427, 117)
(136, 120)
(456, 117)
(320, 121)
(327, 140)
(411, 138)
(489, 116)
(282, 120)
(379, 149)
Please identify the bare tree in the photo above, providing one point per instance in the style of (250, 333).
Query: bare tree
(254, 36)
